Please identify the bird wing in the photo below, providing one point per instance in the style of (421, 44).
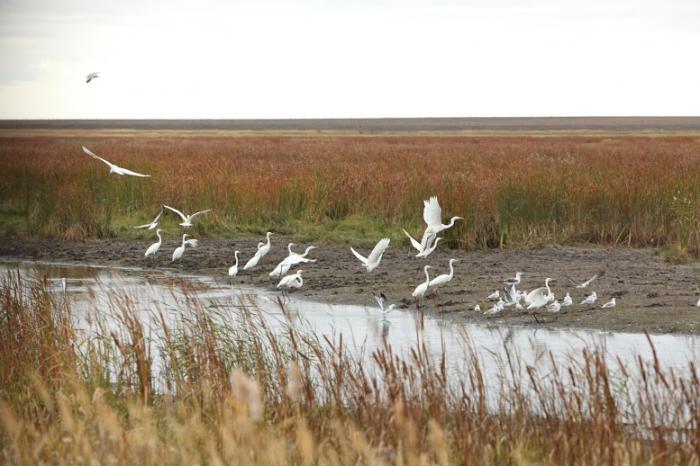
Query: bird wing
(378, 250)
(416, 245)
(432, 212)
(199, 213)
(362, 258)
(143, 226)
(176, 211)
(89, 78)
(125, 171)
(535, 294)
(380, 300)
(97, 157)
(155, 220)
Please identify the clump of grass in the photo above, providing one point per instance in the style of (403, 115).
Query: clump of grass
(217, 385)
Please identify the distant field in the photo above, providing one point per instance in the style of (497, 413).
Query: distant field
(381, 125)
(513, 191)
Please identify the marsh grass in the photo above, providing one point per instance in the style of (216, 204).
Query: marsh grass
(512, 191)
(216, 385)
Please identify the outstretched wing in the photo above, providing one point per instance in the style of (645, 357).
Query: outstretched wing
(362, 258)
(184, 219)
(199, 213)
(432, 212)
(414, 243)
(378, 250)
(96, 157)
(143, 226)
(124, 171)
(155, 220)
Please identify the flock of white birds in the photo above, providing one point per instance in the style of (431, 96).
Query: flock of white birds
(508, 296)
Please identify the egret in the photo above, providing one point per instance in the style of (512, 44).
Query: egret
(429, 250)
(91, 76)
(263, 249)
(180, 250)
(540, 296)
(609, 304)
(114, 168)
(372, 261)
(186, 219)
(432, 214)
(381, 299)
(514, 281)
(233, 270)
(153, 224)
(590, 299)
(420, 290)
(291, 281)
(445, 278)
(567, 300)
(292, 259)
(418, 247)
(153, 248)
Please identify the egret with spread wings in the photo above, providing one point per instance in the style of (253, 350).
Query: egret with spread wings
(114, 168)
(372, 261)
(186, 219)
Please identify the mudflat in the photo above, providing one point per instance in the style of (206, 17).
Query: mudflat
(651, 294)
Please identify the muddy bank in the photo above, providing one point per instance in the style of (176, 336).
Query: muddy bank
(651, 294)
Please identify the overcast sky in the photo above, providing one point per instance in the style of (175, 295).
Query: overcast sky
(318, 59)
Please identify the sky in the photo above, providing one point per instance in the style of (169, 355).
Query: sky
(348, 59)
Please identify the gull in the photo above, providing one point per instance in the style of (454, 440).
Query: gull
(495, 309)
(91, 76)
(477, 308)
(418, 247)
(291, 281)
(494, 296)
(420, 290)
(609, 304)
(540, 296)
(590, 299)
(553, 307)
(180, 250)
(445, 278)
(292, 259)
(567, 300)
(186, 219)
(381, 299)
(514, 281)
(372, 261)
(153, 248)
(113, 168)
(154, 223)
(263, 249)
(233, 270)
(432, 215)
(589, 281)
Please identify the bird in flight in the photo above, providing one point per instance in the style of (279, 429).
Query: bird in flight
(114, 168)
(186, 219)
(154, 223)
(91, 76)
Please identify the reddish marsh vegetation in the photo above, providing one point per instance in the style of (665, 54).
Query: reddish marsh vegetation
(512, 191)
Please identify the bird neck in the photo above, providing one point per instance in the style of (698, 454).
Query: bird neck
(427, 277)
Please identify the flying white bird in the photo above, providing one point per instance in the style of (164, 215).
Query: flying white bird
(590, 299)
(372, 261)
(291, 281)
(114, 168)
(514, 281)
(291, 260)
(153, 248)
(233, 270)
(154, 223)
(263, 249)
(567, 300)
(420, 290)
(432, 214)
(180, 250)
(540, 296)
(429, 250)
(381, 299)
(91, 76)
(186, 219)
(609, 304)
(418, 247)
(494, 296)
(590, 280)
(445, 278)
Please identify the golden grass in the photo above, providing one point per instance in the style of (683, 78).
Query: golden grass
(218, 386)
(512, 191)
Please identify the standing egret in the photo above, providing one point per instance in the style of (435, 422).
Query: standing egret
(590, 299)
(291, 281)
(432, 214)
(567, 300)
(263, 249)
(153, 224)
(180, 250)
(420, 290)
(114, 168)
(233, 270)
(153, 248)
(372, 261)
(609, 304)
(445, 278)
(186, 219)
(292, 259)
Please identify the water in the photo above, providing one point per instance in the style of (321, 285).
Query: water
(363, 329)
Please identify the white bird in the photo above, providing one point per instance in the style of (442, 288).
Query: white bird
(418, 247)
(495, 309)
(567, 300)
(445, 278)
(233, 270)
(292, 259)
(429, 250)
(698, 303)
(153, 248)
(590, 299)
(372, 261)
(381, 299)
(554, 307)
(180, 250)
(154, 223)
(609, 304)
(514, 281)
(291, 281)
(114, 168)
(91, 76)
(186, 219)
(540, 296)
(494, 296)
(263, 249)
(432, 215)
(420, 290)
(477, 308)
(590, 280)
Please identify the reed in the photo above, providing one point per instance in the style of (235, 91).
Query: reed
(216, 385)
(512, 191)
